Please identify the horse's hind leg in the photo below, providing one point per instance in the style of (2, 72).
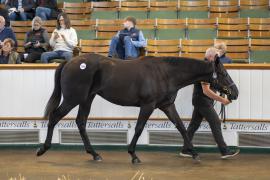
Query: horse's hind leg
(173, 116)
(84, 110)
(145, 113)
(54, 118)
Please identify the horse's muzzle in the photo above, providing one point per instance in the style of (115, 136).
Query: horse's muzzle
(233, 94)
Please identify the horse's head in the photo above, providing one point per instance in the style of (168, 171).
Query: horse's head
(222, 81)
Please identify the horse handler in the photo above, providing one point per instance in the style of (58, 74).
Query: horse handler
(203, 102)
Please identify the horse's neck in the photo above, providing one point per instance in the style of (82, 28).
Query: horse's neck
(191, 72)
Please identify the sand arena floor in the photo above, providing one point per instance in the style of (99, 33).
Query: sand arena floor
(116, 165)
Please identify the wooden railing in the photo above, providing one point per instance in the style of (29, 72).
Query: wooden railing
(54, 66)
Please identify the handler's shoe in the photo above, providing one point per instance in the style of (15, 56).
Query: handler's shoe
(230, 154)
(186, 154)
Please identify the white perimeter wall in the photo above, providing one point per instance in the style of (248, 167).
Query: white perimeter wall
(24, 93)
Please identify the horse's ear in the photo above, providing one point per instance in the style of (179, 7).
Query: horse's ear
(217, 60)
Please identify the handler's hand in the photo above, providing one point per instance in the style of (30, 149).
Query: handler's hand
(225, 101)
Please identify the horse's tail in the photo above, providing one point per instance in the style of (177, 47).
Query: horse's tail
(55, 98)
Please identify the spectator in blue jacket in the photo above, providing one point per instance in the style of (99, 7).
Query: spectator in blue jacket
(126, 43)
(20, 9)
(6, 32)
(222, 48)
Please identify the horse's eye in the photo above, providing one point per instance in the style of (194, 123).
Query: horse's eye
(224, 74)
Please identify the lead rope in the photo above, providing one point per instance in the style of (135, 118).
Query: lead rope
(222, 113)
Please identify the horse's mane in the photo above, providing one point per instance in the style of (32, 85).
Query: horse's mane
(184, 62)
(174, 60)
(179, 62)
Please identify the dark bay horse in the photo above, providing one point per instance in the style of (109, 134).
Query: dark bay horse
(148, 83)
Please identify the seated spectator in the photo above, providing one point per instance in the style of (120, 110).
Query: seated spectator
(4, 13)
(20, 9)
(222, 48)
(36, 41)
(126, 43)
(7, 53)
(47, 9)
(63, 40)
(6, 32)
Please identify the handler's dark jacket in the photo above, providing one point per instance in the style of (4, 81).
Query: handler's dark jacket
(199, 98)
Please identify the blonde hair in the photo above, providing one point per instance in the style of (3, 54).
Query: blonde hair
(38, 20)
(212, 51)
(221, 47)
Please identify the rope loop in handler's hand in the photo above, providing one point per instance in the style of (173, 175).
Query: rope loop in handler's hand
(222, 113)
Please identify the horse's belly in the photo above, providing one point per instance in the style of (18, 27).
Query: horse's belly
(122, 100)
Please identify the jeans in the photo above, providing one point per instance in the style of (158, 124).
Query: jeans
(18, 16)
(47, 56)
(123, 51)
(43, 13)
(212, 118)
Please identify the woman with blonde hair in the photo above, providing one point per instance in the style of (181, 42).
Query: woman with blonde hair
(36, 41)
(222, 48)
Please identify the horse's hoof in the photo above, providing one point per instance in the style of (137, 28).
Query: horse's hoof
(40, 151)
(136, 161)
(98, 158)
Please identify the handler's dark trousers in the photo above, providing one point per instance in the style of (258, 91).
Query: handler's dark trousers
(212, 118)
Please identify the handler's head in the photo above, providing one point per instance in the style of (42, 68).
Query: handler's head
(211, 53)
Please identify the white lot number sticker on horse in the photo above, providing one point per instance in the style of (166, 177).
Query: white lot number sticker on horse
(83, 66)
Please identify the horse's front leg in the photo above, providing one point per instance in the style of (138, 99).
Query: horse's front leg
(173, 116)
(145, 113)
